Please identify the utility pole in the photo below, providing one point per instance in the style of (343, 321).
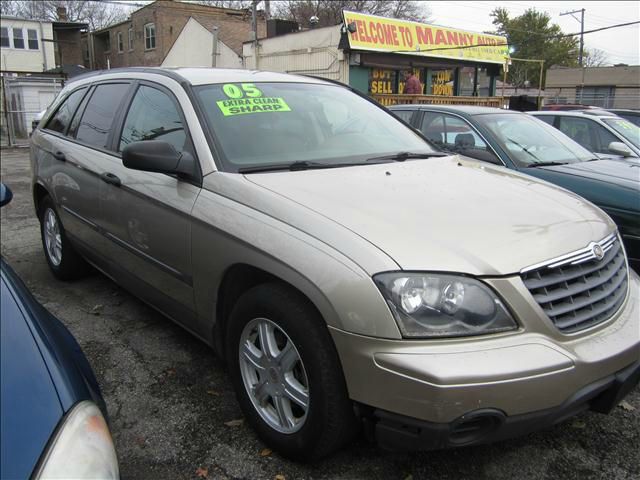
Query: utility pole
(254, 27)
(581, 20)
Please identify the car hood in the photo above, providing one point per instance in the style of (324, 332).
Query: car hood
(30, 407)
(610, 184)
(447, 214)
(615, 172)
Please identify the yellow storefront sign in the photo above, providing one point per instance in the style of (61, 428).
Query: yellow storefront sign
(382, 34)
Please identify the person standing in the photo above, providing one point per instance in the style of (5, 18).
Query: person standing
(412, 85)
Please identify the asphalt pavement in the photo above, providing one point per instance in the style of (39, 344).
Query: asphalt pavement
(173, 413)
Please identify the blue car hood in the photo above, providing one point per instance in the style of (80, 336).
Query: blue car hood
(30, 409)
(615, 172)
(607, 183)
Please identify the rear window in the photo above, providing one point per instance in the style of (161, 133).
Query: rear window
(61, 119)
(99, 113)
(261, 124)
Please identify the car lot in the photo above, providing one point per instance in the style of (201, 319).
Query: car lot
(174, 415)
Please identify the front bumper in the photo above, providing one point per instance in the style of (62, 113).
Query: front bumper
(395, 432)
(536, 372)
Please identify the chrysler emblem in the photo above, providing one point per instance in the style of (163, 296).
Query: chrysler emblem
(597, 252)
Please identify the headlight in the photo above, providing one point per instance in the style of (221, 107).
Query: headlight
(82, 447)
(435, 305)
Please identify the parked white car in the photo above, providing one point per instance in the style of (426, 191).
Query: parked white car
(598, 131)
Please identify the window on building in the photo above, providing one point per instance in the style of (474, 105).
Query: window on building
(130, 38)
(18, 38)
(442, 82)
(32, 39)
(98, 116)
(107, 42)
(153, 115)
(466, 81)
(4, 37)
(60, 121)
(120, 43)
(149, 36)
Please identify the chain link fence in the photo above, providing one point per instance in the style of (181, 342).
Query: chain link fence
(22, 99)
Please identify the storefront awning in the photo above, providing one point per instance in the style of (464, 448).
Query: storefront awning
(381, 34)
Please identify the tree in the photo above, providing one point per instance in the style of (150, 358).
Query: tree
(534, 37)
(97, 14)
(595, 58)
(329, 12)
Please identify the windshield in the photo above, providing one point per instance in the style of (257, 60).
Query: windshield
(625, 128)
(529, 140)
(266, 124)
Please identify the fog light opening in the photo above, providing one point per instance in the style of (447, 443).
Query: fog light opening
(474, 426)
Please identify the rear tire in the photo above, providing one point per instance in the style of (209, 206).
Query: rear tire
(297, 365)
(65, 263)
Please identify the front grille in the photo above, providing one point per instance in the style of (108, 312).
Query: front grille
(577, 290)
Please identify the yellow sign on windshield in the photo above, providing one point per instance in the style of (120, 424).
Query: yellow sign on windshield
(240, 106)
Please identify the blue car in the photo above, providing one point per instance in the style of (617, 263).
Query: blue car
(521, 142)
(52, 415)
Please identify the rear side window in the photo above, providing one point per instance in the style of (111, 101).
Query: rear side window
(578, 130)
(546, 118)
(60, 121)
(153, 116)
(98, 116)
(404, 114)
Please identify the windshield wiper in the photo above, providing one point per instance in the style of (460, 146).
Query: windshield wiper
(295, 166)
(402, 156)
(545, 164)
(522, 147)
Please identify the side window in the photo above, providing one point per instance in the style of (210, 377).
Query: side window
(98, 115)
(578, 130)
(153, 115)
(432, 127)
(60, 121)
(605, 137)
(460, 136)
(547, 119)
(404, 114)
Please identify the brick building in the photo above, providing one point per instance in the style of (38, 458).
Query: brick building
(172, 33)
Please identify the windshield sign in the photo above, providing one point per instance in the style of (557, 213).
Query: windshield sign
(263, 124)
(625, 128)
(530, 141)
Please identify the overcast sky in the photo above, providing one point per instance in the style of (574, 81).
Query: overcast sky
(622, 45)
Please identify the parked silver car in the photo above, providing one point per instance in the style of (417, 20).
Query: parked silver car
(598, 131)
(345, 270)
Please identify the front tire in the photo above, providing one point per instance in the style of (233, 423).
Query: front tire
(287, 375)
(65, 263)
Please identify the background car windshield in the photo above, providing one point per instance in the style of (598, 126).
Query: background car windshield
(264, 124)
(529, 140)
(625, 128)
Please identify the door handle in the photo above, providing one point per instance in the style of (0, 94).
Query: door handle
(111, 179)
(59, 156)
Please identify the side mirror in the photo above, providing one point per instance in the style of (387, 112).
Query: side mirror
(157, 156)
(5, 195)
(619, 148)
